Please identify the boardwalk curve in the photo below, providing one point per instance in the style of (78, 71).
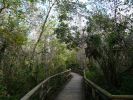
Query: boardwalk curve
(73, 90)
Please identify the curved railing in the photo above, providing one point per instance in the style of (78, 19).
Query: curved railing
(42, 90)
(94, 92)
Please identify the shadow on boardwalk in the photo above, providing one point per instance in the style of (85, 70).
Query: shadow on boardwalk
(73, 89)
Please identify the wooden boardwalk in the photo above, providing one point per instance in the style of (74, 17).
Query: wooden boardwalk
(73, 90)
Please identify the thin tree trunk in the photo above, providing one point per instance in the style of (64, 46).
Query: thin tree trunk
(43, 28)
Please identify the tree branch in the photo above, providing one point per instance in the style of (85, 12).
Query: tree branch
(43, 27)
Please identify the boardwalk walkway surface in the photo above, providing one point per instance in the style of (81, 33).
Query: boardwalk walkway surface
(73, 90)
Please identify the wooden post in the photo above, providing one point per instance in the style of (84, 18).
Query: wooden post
(93, 94)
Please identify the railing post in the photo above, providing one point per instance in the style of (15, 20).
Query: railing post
(93, 94)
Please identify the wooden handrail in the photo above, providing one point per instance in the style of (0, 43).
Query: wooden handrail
(35, 89)
(98, 90)
(103, 91)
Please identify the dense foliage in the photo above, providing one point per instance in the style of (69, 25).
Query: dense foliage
(29, 49)
(109, 46)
